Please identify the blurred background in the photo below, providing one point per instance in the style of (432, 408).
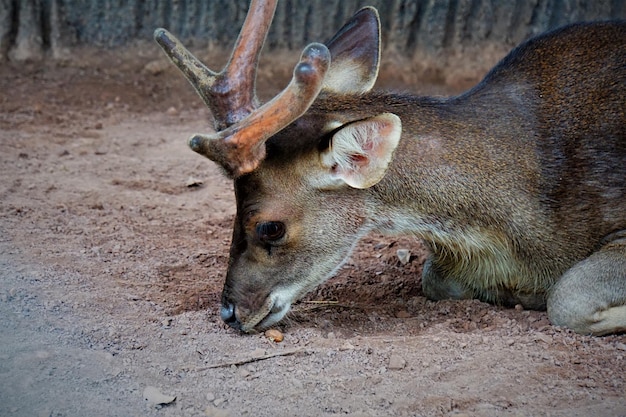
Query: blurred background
(445, 41)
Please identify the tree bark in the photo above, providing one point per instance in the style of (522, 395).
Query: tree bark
(31, 28)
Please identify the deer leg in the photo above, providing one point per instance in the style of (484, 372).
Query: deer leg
(590, 298)
(439, 286)
(436, 286)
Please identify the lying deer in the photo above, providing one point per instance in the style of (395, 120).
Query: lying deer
(517, 187)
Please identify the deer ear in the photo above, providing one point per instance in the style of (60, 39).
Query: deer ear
(355, 54)
(360, 152)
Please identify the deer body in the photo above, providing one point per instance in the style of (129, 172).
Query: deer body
(512, 182)
(518, 186)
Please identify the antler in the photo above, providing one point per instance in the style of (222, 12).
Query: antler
(242, 126)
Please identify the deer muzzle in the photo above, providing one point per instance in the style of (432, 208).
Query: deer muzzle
(251, 316)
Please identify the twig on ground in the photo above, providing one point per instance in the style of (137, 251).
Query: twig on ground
(253, 359)
(322, 302)
(315, 305)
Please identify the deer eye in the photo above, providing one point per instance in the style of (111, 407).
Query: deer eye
(269, 232)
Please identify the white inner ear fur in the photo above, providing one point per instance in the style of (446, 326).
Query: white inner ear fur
(360, 153)
(349, 76)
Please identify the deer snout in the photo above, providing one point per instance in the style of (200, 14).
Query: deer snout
(227, 312)
(247, 313)
(251, 317)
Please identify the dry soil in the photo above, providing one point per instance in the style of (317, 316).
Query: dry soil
(114, 239)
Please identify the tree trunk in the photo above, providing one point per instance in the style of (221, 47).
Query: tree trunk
(29, 29)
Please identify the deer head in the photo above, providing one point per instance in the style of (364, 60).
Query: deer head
(301, 163)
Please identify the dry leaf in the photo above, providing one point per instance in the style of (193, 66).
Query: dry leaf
(154, 396)
(274, 335)
(193, 182)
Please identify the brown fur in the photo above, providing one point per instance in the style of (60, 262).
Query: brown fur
(517, 186)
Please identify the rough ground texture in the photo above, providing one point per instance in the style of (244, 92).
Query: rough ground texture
(112, 257)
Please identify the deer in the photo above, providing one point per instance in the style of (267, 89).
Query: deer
(517, 186)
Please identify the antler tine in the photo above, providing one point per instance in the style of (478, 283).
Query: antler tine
(229, 94)
(243, 126)
(200, 77)
(240, 148)
(240, 72)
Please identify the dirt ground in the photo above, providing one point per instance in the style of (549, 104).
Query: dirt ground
(114, 239)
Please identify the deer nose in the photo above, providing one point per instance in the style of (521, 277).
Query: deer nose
(227, 312)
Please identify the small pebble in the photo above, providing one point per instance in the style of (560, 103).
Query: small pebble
(212, 411)
(403, 314)
(346, 346)
(404, 255)
(396, 362)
